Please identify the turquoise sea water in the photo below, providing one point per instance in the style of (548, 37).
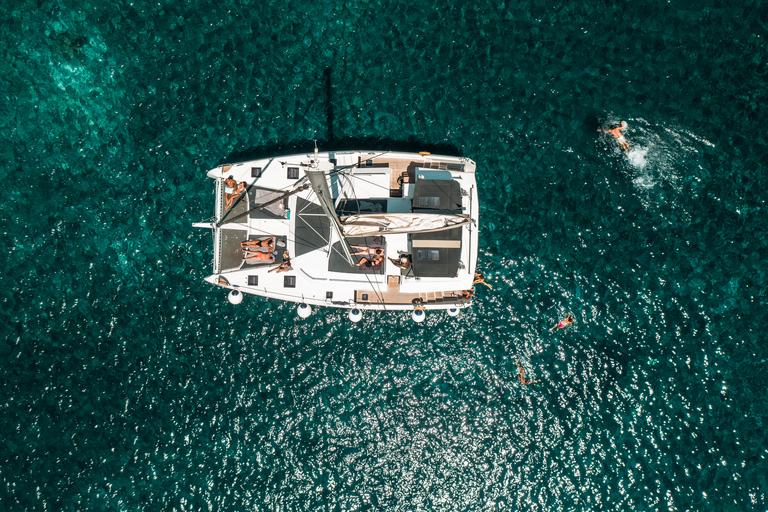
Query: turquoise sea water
(127, 383)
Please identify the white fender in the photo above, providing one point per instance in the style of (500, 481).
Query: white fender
(304, 310)
(355, 315)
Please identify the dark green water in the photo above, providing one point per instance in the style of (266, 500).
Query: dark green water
(128, 383)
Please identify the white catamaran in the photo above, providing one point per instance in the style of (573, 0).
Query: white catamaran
(363, 230)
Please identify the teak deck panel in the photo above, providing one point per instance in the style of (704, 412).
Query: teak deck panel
(392, 295)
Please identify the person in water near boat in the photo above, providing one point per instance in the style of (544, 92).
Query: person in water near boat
(616, 132)
(562, 323)
(468, 294)
(232, 190)
(480, 279)
(364, 250)
(521, 375)
(370, 262)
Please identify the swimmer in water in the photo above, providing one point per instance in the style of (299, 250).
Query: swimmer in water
(616, 132)
(521, 375)
(562, 323)
(480, 279)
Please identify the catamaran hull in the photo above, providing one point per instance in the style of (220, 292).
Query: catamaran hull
(380, 231)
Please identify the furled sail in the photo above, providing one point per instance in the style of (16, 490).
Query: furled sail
(391, 223)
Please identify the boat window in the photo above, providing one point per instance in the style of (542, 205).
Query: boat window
(253, 280)
(255, 172)
(429, 202)
(328, 295)
(428, 255)
(289, 282)
(293, 173)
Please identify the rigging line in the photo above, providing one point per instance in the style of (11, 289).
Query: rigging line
(267, 233)
(293, 239)
(340, 170)
(213, 244)
(349, 180)
(263, 205)
(376, 289)
(253, 184)
(439, 185)
(352, 166)
(470, 228)
(374, 285)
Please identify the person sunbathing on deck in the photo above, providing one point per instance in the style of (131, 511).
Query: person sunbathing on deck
(364, 250)
(285, 266)
(404, 261)
(232, 190)
(251, 244)
(259, 255)
(370, 262)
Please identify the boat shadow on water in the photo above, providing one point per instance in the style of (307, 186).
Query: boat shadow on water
(332, 143)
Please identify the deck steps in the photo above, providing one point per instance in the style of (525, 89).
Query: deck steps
(427, 297)
(393, 295)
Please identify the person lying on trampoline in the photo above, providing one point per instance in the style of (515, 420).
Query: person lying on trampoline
(259, 255)
(256, 244)
(370, 262)
(364, 250)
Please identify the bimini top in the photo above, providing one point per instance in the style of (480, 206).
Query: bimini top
(436, 254)
(435, 196)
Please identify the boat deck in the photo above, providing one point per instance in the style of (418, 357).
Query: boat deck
(393, 295)
(320, 274)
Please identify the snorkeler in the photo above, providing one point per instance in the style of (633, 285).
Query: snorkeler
(521, 375)
(616, 132)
